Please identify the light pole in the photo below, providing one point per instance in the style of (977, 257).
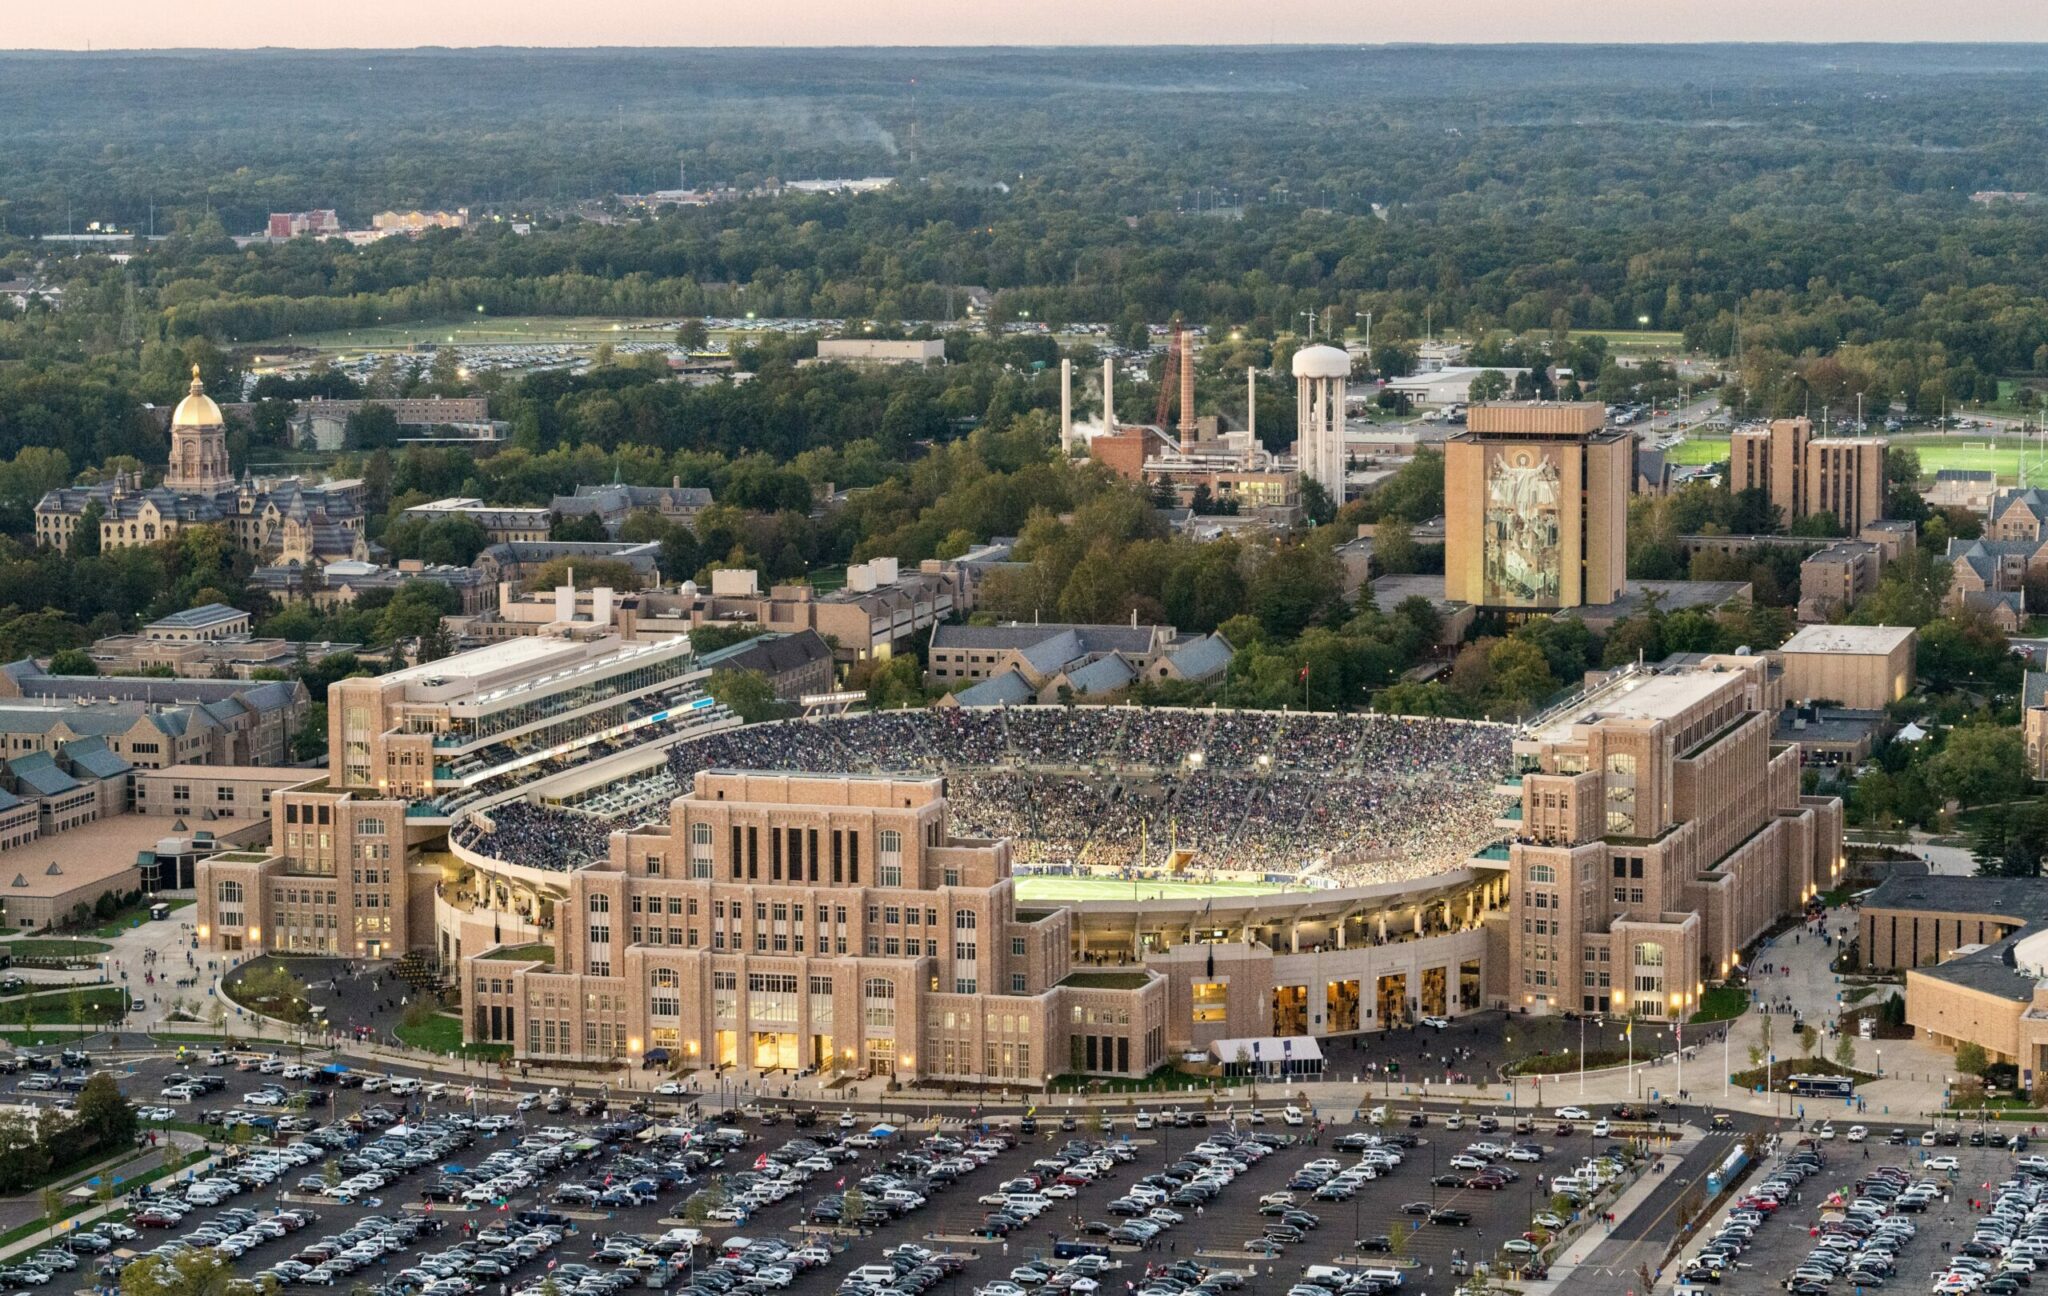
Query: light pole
(1582, 1057)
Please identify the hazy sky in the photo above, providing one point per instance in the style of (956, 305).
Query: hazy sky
(133, 24)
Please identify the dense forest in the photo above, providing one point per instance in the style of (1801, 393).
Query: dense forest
(1821, 196)
(1829, 223)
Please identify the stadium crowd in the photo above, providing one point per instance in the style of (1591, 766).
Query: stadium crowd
(1352, 798)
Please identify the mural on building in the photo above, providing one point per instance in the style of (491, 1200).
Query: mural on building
(1523, 554)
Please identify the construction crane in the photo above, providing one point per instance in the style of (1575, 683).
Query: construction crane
(1169, 373)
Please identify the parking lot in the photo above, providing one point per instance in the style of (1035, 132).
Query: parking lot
(1881, 1210)
(360, 1155)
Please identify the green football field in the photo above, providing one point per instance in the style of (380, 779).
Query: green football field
(1066, 888)
(1999, 454)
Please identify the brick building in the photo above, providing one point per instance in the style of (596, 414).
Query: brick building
(1660, 832)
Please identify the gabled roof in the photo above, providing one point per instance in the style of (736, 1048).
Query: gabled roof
(1007, 689)
(1205, 657)
(1048, 655)
(1103, 675)
(38, 772)
(94, 757)
(2035, 691)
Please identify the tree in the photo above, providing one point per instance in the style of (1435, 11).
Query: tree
(1754, 514)
(73, 661)
(201, 1271)
(1394, 551)
(586, 527)
(309, 741)
(1971, 1059)
(1297, 586)
(891, 684)
(104, 1115)
(692, 335)
(1487, 385)
(1808, 1037)
(1845, 1051)
(1980, 764)
(1317, 504)
(748, 694)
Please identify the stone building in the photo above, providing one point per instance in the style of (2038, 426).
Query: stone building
(1660, 832)
(285, 520)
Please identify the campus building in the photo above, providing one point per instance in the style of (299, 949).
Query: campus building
(1536, 507)
(1975, 954)
(1660, 831)
(281, 521)
(1804, 474)
(831, 922)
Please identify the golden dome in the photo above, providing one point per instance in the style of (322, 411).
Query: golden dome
(197, 409)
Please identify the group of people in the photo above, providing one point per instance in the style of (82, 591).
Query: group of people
(1355, 798)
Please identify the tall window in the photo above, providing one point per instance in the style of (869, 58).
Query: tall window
(600, 904)
(878, 1002)
(1621, 793)
(667, 1000)
(231, 893)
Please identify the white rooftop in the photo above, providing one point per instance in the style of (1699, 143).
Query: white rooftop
(1857, 640)
(511, 654)
(1638, 697)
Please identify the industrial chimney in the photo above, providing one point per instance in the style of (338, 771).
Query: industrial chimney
(1066, 406)
(1109, 397)
(1188, 435)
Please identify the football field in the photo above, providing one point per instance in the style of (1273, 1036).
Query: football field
(1999, 453)
(1075, 888)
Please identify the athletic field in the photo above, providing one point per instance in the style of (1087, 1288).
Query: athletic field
(1975, 451)
(536, 329)
(1068, 889)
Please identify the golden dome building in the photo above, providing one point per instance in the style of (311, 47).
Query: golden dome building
(279, 521)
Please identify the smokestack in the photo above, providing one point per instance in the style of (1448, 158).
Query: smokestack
(1187, 390)
(1066, 406)
(1109, 396)
(1251, 402)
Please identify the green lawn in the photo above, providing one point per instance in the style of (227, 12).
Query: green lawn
(1623, 341)
(1722, 1003)
(51, 948)
(1975, 451)
(98, 1004)
(543, 329)
(134, 916)
(443, 1034)
(1695, 451)
(1066, 888)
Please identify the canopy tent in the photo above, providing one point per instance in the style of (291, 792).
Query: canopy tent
(1268, 1055)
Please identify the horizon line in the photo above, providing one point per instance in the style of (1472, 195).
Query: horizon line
(963, 47)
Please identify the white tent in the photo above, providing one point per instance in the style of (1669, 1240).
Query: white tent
(1268, 1055)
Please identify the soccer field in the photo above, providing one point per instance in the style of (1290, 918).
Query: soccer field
(1067, 888)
